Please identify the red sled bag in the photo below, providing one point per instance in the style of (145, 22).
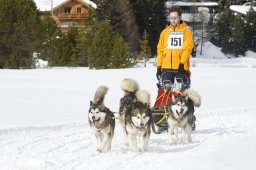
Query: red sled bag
(163, 97)
(167, 89)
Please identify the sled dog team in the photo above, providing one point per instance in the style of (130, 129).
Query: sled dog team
(135, 117)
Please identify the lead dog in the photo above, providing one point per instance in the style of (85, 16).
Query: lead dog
(181, 115)
(101, 120)
(135, 115)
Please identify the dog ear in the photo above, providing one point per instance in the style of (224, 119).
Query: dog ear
(91, 103)
(145, 105)
(101, 107)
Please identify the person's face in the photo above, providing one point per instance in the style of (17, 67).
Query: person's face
(174, 19)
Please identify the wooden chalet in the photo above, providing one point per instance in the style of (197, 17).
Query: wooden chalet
(71, 12)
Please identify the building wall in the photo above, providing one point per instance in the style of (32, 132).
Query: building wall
(70, 14)
(191, 11)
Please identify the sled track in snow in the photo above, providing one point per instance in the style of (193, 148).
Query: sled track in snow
(228, 121)
(31, 145)
(66, 146)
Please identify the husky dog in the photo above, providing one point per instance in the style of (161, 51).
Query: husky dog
(135, 115)
(181, 115)
(101, 120)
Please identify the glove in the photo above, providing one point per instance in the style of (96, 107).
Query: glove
(158, 73)
(181, 69)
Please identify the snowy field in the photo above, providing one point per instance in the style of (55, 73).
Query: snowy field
(44, 121)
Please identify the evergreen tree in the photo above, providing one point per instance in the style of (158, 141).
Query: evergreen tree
(108, 49)
(231, 31)
(226, 3)
(18, 33)
(150, 15)
(214, 29)
(250, 30)
(131, 17)
(145, 51)
(85, 37)
(102, 44)
(49, 30)
(119, 57)
(73, 44)
(121, 17)
(63, 52)
(224, 30)
(128, 28)
(237, 32)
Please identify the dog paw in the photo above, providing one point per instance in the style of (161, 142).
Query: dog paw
(99, 150)
(172, 141)
(185, 142)
(134, 149)
(142, 149)
(186, 139)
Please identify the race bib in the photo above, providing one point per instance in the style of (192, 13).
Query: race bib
(175, 40)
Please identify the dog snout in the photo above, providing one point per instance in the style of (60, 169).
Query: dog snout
(141, 124)
(93, 117)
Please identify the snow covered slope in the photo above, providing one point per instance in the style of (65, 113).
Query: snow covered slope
(44, 121)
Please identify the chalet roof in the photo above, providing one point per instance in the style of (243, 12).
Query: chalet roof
(181, 3)
(242, 9)
(45, 5)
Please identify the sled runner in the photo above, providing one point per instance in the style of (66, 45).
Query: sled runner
(166, 89)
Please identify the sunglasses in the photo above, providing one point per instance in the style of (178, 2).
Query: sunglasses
(173, 18)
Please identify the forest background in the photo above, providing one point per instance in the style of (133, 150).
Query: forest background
(117, 34)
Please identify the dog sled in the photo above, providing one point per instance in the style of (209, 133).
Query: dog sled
(166, 89)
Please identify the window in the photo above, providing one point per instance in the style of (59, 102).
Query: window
(67, 10)
(79, 11)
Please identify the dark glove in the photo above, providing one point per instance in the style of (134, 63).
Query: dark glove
(181, 69)
(158, 73)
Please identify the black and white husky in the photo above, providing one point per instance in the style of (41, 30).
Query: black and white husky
(135, 115)
(181, 116)
(101, 120)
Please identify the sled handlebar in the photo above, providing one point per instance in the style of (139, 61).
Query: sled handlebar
(177, 82)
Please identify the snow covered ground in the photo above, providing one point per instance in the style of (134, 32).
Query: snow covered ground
(45, 5)
(44, 121)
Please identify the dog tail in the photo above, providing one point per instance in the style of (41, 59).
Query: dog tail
(143, 96)
(100, 94)
(194, 96)
(129, 85)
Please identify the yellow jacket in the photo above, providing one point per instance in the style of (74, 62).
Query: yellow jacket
(170, 56)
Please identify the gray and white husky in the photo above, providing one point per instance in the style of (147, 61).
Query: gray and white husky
(135, 115)
(101, 120)
(181, 116)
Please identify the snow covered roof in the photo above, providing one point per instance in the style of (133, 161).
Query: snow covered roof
(45, 5)
(181, 3)
(243, 9)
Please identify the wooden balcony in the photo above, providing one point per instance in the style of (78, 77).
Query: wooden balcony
(65, 16)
